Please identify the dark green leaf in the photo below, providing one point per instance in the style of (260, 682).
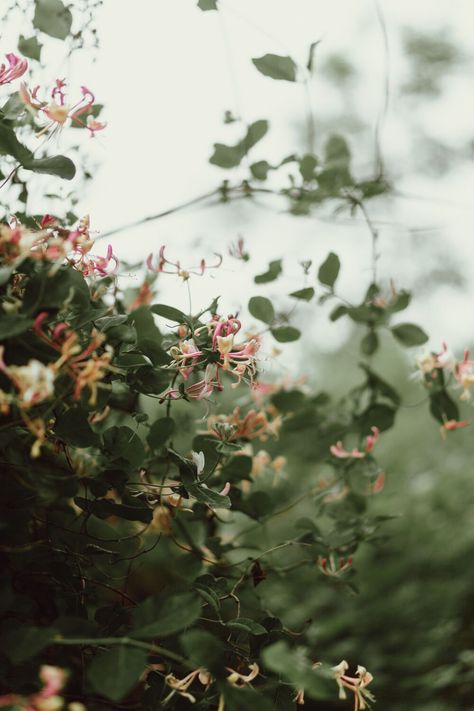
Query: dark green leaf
(261, 308)
(30, 47)
(243, 624)
(443, 408)
(307, 166)
(231, 156)
(114, 673)
(122, 442)
(303, 294)
(369, 343)
(260, 169)
(294, 665)
(273, 272)
(160, 432)
(11, 326)
(206, 5)
(164, 614)
(23, 642)
(73, 428)
(329, 270)
(409, 335)
(377, 415)
(52, 18)
(56, 165)
(285, 334)
(202, 648)
(276, 67)
(169, 312)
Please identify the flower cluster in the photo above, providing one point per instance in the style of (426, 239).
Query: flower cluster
(255, 424)
(57, 112)
(15, 69)
(337, 450)
(234, 678)
(430, 365)
(221, 354)
(357, 685)
(56, 244)
(47, 699)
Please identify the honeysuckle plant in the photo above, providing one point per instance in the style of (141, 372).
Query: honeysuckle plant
(138, 505)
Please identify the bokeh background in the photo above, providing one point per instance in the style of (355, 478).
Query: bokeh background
(396, 69)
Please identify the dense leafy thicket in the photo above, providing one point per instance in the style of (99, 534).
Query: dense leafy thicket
(153, 559)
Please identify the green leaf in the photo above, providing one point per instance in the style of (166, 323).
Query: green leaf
(409, 335)
(164, 614)
(273, 272)
(60, 166)
(194, 487)
(261, 308)
(338, 312)
(377, 415)
(329, 270)
(11, 146)
(160, 432)
(116, 672)
(206, 5)
(23, 642)
(244, 624)
(231, 156)
(294, 665)
(308, 165)
(369, 343)
(276, 67)
(12, 325)
(13, 107)
(169, 312)
(73, 428)
(246, 699)
(285, 334)
(52, 18)
(202, 648)
(260, 169)
(122, 442)
(30, 47)
(303, 294)
(442, 407)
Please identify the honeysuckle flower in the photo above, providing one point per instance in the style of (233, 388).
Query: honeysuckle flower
(338, 450)
(199, 461)
(184, 355)
(92, 266)
(143, 298)
(165, 266)
(236, 250)
(464, 374)
(333, 567)
(237, 679)
(181, 686)
(253, 425)
(357, 685)
(451, 425)
(33, 381)
(47, 699)
(17, 66)
(57, 111)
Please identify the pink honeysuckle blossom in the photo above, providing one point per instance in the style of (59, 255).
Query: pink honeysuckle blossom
(338, 450)
(57, 111)
(92, 266)
(165, 266)
(184, 356)
(15, 69)
(451, 425)
(53, 680)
